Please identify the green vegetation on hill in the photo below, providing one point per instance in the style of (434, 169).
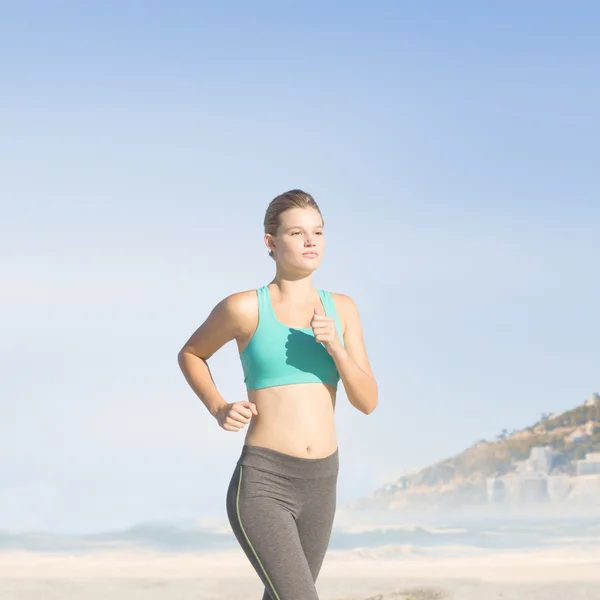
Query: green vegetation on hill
(572, 418)
(488, 459)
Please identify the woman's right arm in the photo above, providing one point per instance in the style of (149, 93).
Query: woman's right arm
(223, 324)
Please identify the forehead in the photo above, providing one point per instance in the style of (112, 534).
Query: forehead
(300, 217)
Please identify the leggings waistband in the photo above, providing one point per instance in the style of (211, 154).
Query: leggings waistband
(287, 464)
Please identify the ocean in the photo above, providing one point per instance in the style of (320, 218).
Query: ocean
(440, 534)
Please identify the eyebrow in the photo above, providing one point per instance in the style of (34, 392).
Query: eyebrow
(300, 227)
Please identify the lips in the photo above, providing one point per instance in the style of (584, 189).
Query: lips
(312, 254)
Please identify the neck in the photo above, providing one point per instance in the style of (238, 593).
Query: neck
(295, 290)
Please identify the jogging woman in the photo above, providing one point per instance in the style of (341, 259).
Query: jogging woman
(295, 343)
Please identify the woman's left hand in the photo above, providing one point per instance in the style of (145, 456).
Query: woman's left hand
(325, 331)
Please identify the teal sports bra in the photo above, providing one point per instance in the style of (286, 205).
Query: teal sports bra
(279, 355)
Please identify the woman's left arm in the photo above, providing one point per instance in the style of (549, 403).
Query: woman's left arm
(351, 359)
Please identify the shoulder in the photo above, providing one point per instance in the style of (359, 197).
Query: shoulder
(344, 302)
(347, 310)
(230, 318)
(240, 301)
(241, 308)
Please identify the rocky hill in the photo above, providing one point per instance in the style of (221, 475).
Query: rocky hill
(463, 479)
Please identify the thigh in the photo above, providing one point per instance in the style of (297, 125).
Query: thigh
(266, 530)
(315, 521)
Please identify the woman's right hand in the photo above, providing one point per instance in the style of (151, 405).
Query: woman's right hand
(234, 416)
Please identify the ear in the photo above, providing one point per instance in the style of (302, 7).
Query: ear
(269, 242)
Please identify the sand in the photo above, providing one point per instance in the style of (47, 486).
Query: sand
(380, 574)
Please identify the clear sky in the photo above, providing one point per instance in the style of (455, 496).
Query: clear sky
(452, 148)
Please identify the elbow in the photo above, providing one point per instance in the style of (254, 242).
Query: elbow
(184, 355)
(181, 358)
(370, 408)
(374, 401)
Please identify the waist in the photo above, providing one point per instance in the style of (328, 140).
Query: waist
(300, 467)
(294, 418)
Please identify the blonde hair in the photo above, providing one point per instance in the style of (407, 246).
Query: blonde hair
(283, 202)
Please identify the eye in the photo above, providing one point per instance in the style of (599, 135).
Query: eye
(295, 232)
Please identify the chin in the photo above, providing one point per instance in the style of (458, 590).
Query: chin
(307, 268)
(310, 262)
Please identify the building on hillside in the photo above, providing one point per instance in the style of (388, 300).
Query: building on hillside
(540, 461)
(590, 465)
(559, 487)
(529, 484)
(496, 490)
(586, 490)
(593, 400)
(582, 432)
(532, 482)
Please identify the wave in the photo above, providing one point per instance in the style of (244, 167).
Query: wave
(409, 538)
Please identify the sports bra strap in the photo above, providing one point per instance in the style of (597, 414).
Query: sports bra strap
(327, 302)
(264, 305)
(331, 311)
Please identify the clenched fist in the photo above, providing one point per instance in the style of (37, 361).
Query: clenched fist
(236, 415)
(325, 331)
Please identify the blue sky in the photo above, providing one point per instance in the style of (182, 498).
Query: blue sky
(452, 148)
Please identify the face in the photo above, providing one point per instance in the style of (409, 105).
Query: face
(300, 240)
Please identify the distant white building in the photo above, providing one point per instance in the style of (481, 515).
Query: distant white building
(590, 465)
(586, 490)
(582, 432)
(518, 488)
(496, 490)
(592, 400)
(559, 487)
(532, 482)
(540, 461)
(528, 484)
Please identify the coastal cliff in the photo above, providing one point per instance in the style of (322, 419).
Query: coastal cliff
(556, 460)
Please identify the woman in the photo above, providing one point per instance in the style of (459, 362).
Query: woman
(295, 343)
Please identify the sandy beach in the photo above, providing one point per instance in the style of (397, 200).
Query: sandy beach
(378, 574)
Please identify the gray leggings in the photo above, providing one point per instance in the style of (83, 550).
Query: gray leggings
(281, 509)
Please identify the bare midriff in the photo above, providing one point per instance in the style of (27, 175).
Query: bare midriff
(295, 419)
